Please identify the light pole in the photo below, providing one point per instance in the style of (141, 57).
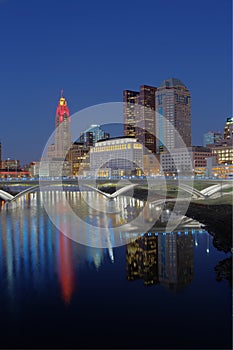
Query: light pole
(8, 166)
(16, 164)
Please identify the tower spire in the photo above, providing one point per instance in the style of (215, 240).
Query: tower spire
(62, 93)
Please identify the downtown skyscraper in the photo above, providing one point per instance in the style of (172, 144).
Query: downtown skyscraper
(62, 133)
(56, 160)
(139, 115)
(173, 107)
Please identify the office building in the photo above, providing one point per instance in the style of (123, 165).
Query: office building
(228, 130)
(93, 134)
(212, 137)
(55, 162)
(119, 156)
(151, 164)
(62, 133)
(131, 100)
(173, 105)
(11, 164)
(184, 160)
(139, 115)
(223, 153)
(78, 157)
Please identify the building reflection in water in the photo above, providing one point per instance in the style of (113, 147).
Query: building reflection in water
(31, 248)
(66, 268)
(162, 258)
(142, 260)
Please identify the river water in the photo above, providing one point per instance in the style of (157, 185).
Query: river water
(161, 290)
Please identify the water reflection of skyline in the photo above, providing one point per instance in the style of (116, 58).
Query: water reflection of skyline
(31, 249)
(167, 259)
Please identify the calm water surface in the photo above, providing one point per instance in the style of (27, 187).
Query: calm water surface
(159, 291)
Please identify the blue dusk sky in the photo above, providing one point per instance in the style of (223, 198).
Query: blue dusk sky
(96, 49)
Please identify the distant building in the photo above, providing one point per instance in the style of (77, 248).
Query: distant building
(139, 115)
(131, 100)
(93, 134)
(10, 164)
(222, 149)
(62, 132)
(212, 137)
(55, 162)
(78, 157)
(117, 157)
(151, 165)
(173, 102)
(223, 153)
(184, 160)
(221, 171)
(228, 130)
(145, 131)
(34, 168)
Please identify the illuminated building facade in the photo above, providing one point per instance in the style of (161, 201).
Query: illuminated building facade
(121, 156)
(222, 149)
(78, 157)
(139, 115)
(11, 164)
(220, 171)
(145, 131)
(55, 162)
(131, 100)
(223, 153)
(62, 133)
(93, 134)
(228, 130)
(173, 102)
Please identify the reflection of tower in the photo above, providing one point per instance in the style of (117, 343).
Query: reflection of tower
(62, 135)
(176, 260)
(66, 268)
(141, 260)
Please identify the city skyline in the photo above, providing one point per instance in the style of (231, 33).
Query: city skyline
(93, 70)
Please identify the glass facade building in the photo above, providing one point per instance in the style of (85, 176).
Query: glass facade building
(173, 107)
(139, 115)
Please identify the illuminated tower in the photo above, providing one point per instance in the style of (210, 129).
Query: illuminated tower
(62, 135)
(173, 103)
(139, 115)
(228, 130)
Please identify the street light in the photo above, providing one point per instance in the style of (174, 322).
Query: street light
(16, 163)
(8, 166)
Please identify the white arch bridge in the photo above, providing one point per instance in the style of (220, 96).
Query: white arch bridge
(208, 192)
